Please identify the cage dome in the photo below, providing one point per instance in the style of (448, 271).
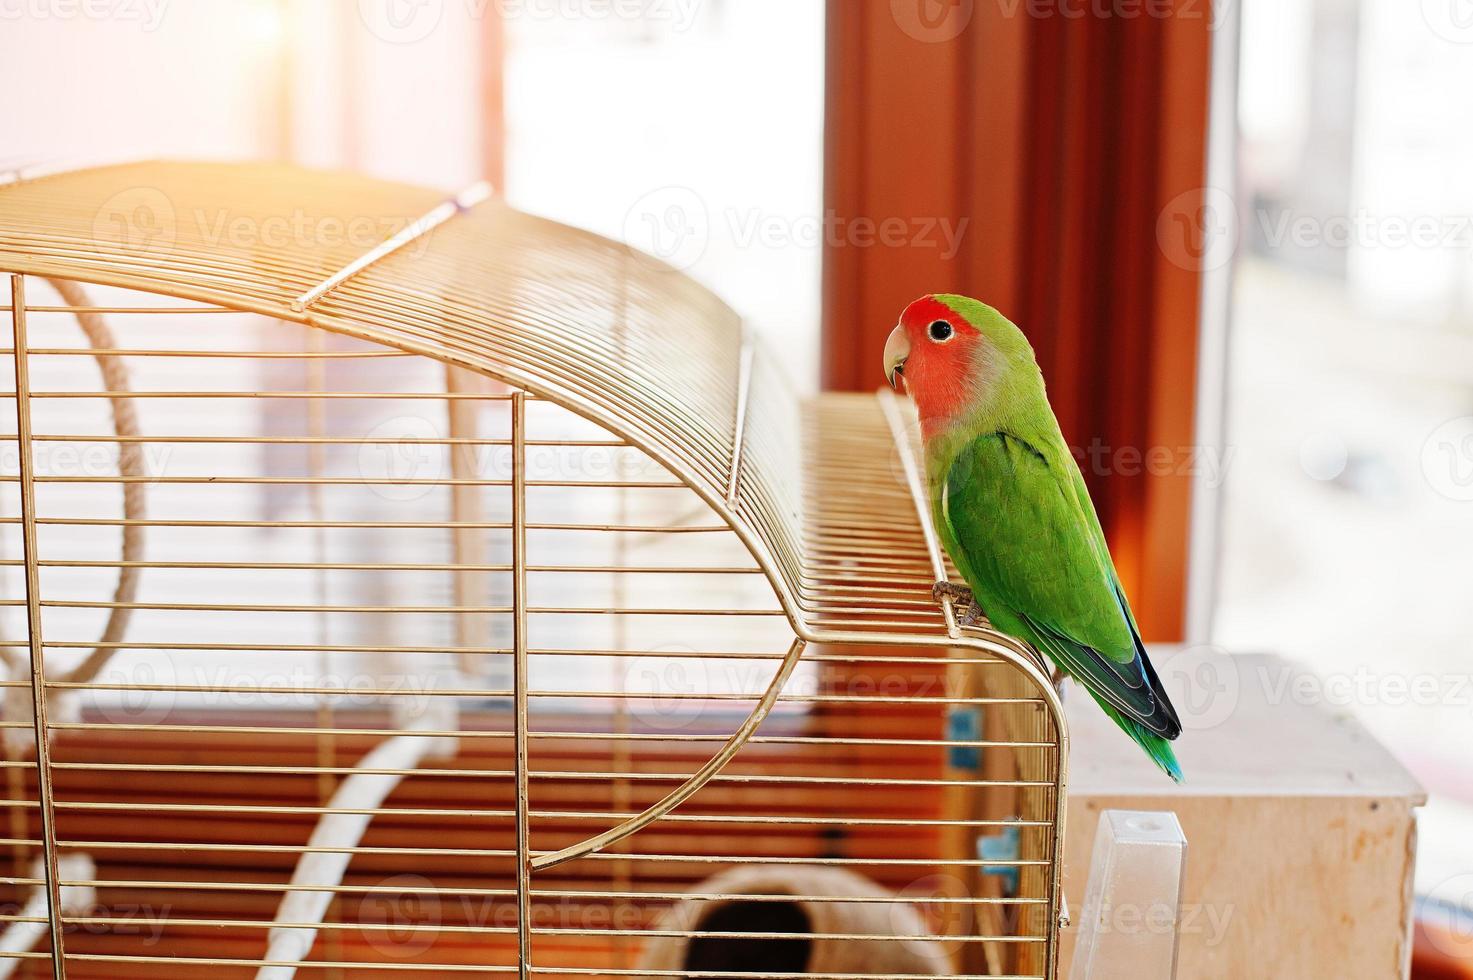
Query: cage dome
(324, 289)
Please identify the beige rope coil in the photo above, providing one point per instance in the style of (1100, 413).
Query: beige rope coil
(130, 464)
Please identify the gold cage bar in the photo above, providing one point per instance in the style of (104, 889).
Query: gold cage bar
(647, 629)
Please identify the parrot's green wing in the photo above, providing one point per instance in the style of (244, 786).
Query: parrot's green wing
(1022, 530)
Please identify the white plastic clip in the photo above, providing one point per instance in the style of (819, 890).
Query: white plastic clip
(1129, 925)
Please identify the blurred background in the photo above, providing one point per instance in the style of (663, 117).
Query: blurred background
(1347, 515)
(624, 118)
(1242, 239)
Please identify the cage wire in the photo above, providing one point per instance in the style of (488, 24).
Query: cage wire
(402, 585)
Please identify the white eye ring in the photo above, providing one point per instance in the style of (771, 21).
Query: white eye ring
(940, 331)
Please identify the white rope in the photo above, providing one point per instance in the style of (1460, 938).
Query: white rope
(319, 872)
(22, 936)
(130, 464)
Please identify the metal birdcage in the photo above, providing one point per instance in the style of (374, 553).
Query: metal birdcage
(399, 585)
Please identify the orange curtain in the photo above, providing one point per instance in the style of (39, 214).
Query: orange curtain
(1040, 156)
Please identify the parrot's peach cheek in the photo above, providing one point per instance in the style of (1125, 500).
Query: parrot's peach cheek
(935, 384)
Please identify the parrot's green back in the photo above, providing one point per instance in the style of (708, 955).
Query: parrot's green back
(1012, 510)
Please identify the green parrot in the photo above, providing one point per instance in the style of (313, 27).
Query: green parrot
(1012, 511)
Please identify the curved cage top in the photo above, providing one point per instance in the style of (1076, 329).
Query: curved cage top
(603, 329)
(825, 492)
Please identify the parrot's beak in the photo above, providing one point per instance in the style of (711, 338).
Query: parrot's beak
(897, 349)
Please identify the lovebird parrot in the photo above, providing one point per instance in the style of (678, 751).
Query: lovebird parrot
(1012, 511)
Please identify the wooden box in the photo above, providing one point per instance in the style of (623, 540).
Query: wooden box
(1301, 827)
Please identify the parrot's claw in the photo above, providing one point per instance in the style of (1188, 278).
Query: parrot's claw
(963, 604)
(1057, 679)
(950, 590)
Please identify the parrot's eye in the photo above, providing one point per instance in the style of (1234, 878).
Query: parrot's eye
(940, 331)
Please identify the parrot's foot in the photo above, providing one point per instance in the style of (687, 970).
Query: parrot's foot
(1057, 679)
(963, 604)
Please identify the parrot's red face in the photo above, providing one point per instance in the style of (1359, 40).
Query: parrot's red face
(937, 353)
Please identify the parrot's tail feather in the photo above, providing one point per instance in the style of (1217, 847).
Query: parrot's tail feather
(1158, 748)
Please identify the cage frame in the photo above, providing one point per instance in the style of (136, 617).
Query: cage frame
(115, 264)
